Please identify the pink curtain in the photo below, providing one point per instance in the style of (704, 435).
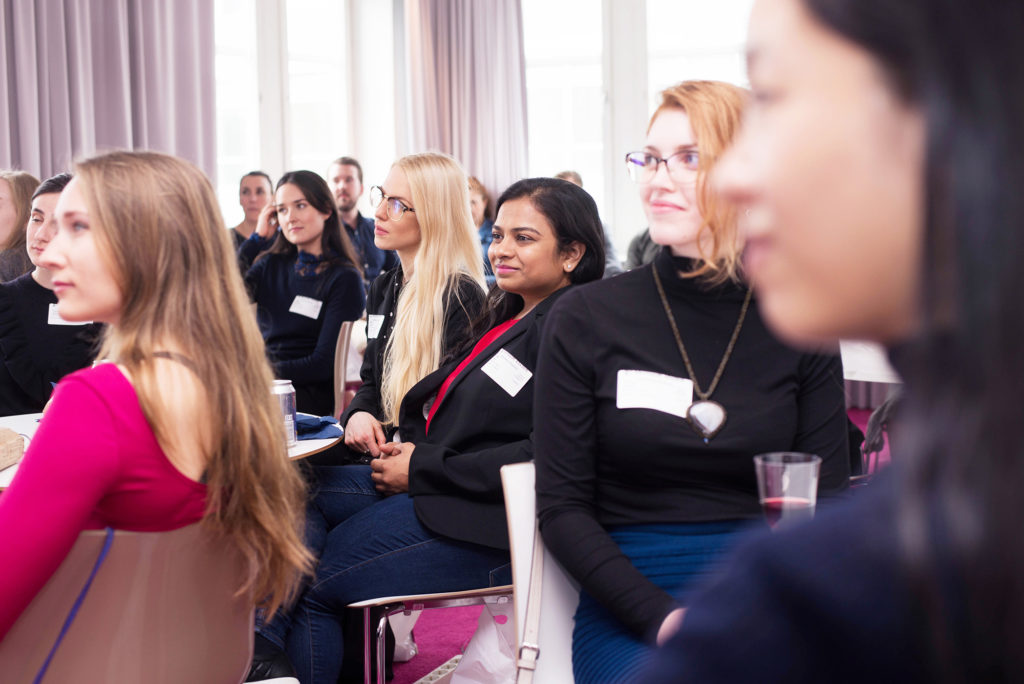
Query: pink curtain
(466, 85)
(91, 75)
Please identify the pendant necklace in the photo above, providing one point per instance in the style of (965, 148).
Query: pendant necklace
(706, 417)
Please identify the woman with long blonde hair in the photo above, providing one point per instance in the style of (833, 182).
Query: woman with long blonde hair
(178, 425)
(656, 388)
(419, 311)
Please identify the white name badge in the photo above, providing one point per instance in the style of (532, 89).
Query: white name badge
(373, 324)
(53, 318)
(644, 389)
(506, 370)
(306, 306)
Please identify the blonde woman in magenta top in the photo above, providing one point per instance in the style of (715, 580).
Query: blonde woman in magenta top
(180, 425)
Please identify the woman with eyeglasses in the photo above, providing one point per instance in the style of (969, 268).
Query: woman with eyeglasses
(655, 389)
(420, 311)
(418, 314)
(305, 283)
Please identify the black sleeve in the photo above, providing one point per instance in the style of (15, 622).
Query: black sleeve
(822, 421)
(253, 278)
(250, 249)
(566, 462)
(463, 303)
(367, 397)
(436, 469)
(344, 302)
(35, 362)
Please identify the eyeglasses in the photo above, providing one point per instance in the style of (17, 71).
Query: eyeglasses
(395, 208)
(682, 166)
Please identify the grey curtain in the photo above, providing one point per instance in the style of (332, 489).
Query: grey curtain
(81, 76)
(466, 85)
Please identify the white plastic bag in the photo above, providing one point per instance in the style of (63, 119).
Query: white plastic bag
(490, 654)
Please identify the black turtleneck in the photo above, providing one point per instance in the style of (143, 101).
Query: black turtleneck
(598, 465)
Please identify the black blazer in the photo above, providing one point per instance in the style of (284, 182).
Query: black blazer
(454, 474)
(382, 300)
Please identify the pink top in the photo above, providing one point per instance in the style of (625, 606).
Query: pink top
(94, 462)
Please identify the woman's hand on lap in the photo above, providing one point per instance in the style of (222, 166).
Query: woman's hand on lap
(364, 433)
(391, 470)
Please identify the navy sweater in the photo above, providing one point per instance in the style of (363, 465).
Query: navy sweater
(300, 344)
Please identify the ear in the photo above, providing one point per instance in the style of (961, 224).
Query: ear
(572, 254)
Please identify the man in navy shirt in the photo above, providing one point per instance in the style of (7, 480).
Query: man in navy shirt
(345, 178)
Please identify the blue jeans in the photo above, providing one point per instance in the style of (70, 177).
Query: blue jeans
(379, 550)
(337, 493)
(675, 557)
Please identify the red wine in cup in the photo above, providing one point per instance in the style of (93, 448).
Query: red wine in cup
(786, 508)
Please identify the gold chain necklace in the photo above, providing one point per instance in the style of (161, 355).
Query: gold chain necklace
(706, 417)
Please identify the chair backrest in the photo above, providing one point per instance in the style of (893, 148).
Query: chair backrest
(163, 608)
(560, 591)
(866, 362)
(341, 366)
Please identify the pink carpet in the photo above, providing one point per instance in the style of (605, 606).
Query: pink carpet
(860, 419)
(441, 634)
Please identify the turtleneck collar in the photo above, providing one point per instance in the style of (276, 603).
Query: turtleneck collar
(669, 267)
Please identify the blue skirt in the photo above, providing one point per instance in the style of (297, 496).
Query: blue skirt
(677, 558)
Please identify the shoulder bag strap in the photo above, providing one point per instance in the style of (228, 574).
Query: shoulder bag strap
(529, 649)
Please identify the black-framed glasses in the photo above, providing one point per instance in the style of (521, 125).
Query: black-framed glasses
(395, 207)
(682, 166)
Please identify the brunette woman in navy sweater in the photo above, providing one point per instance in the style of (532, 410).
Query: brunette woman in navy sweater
(305, 284)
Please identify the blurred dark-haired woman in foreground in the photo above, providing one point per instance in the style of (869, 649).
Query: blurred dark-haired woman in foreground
(881, 167)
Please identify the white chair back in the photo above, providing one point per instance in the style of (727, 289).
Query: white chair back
(560, 591)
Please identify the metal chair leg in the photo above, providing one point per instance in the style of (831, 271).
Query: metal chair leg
(367, 615)
(382, 627)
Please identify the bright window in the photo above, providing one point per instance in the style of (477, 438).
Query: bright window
(694, 39)
(564, 89)
(318, 107)
(271, 116)
(238, 100)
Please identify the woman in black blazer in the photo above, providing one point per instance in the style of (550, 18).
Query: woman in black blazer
(428, 516)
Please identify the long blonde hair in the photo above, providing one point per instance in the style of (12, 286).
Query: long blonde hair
(715, 110)
(22, 185)
(449, 249)
(158, 223)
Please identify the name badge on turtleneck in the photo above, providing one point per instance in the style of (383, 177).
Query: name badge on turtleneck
(53, 318)
(306, 306)
(655, 391)
(508, 372)
(373, 324)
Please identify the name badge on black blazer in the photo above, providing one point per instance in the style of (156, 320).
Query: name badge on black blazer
(373, 325)
(506, 370)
